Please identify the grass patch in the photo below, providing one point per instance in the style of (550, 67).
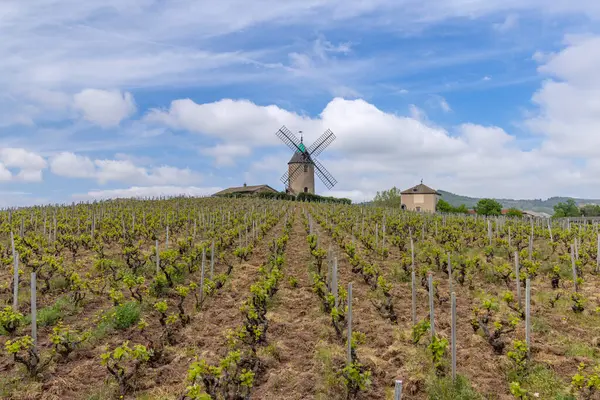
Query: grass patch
(126, 314)
(579, 349)
(49, 316)
(540, 325)
(328, 385)
(541, 379)
(446, 389)
(120, 317)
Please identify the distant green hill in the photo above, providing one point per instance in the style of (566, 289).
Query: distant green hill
(538, 205)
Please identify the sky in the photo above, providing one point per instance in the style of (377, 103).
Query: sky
(120, 98)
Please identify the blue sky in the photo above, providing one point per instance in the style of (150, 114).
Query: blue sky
(145, 97)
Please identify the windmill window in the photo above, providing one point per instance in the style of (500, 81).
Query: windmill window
(305, 167)
(305, 189)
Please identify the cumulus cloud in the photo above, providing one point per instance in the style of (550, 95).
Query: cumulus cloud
(71, 165)
(28, 164)
(106, 108)
(5, 174)
(226, 154)
(375, 149)
(568, 115)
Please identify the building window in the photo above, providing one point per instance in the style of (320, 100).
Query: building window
(305, 189)
(305, 167)
(419, 209)
(403, 206)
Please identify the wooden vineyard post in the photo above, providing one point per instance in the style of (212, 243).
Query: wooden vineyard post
(509, 238)
(489, 231)
(16, 282)
(157, 258)
(550, 231)
(431, 310)
(349, 339)
(212, 260)
(202, 275)
(34, 311)
(598, 254)
(412, 253)
(450, 273)
(398, 390)
(334, 281)
(12, 243)
(518, 277)
(453, 334)
(530, 247)
(414, 297)
(528, 315)
(574, 267)
(376, 235)
(167, 240)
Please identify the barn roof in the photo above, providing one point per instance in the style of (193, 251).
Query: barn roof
(246, 189)
(420, 189)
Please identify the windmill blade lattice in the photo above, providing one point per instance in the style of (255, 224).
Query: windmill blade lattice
(325, 176)
(287, 177)
(290, 139)
(321, 143)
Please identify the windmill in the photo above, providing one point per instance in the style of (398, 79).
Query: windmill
(303, 165)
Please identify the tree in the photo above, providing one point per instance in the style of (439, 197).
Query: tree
(566, 209)
(388, 198)
(462, 209)
(514, 212)
(591, 210)
(445, 207)
(488, 207)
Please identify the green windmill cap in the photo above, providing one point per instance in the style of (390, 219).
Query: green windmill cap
(302, 148)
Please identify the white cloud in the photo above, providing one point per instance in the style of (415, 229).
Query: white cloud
(238, 121)
(29, 164)
(376, 149)
(568, 115)
(148, 191)
(120, 170)
(226, 154)
(103, 107)
(71, 165)
(5, 174)
(21, 158)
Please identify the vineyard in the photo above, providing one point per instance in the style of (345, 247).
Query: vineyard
(218, 298)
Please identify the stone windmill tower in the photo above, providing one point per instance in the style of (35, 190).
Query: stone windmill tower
(300, 176)
(304, 179)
